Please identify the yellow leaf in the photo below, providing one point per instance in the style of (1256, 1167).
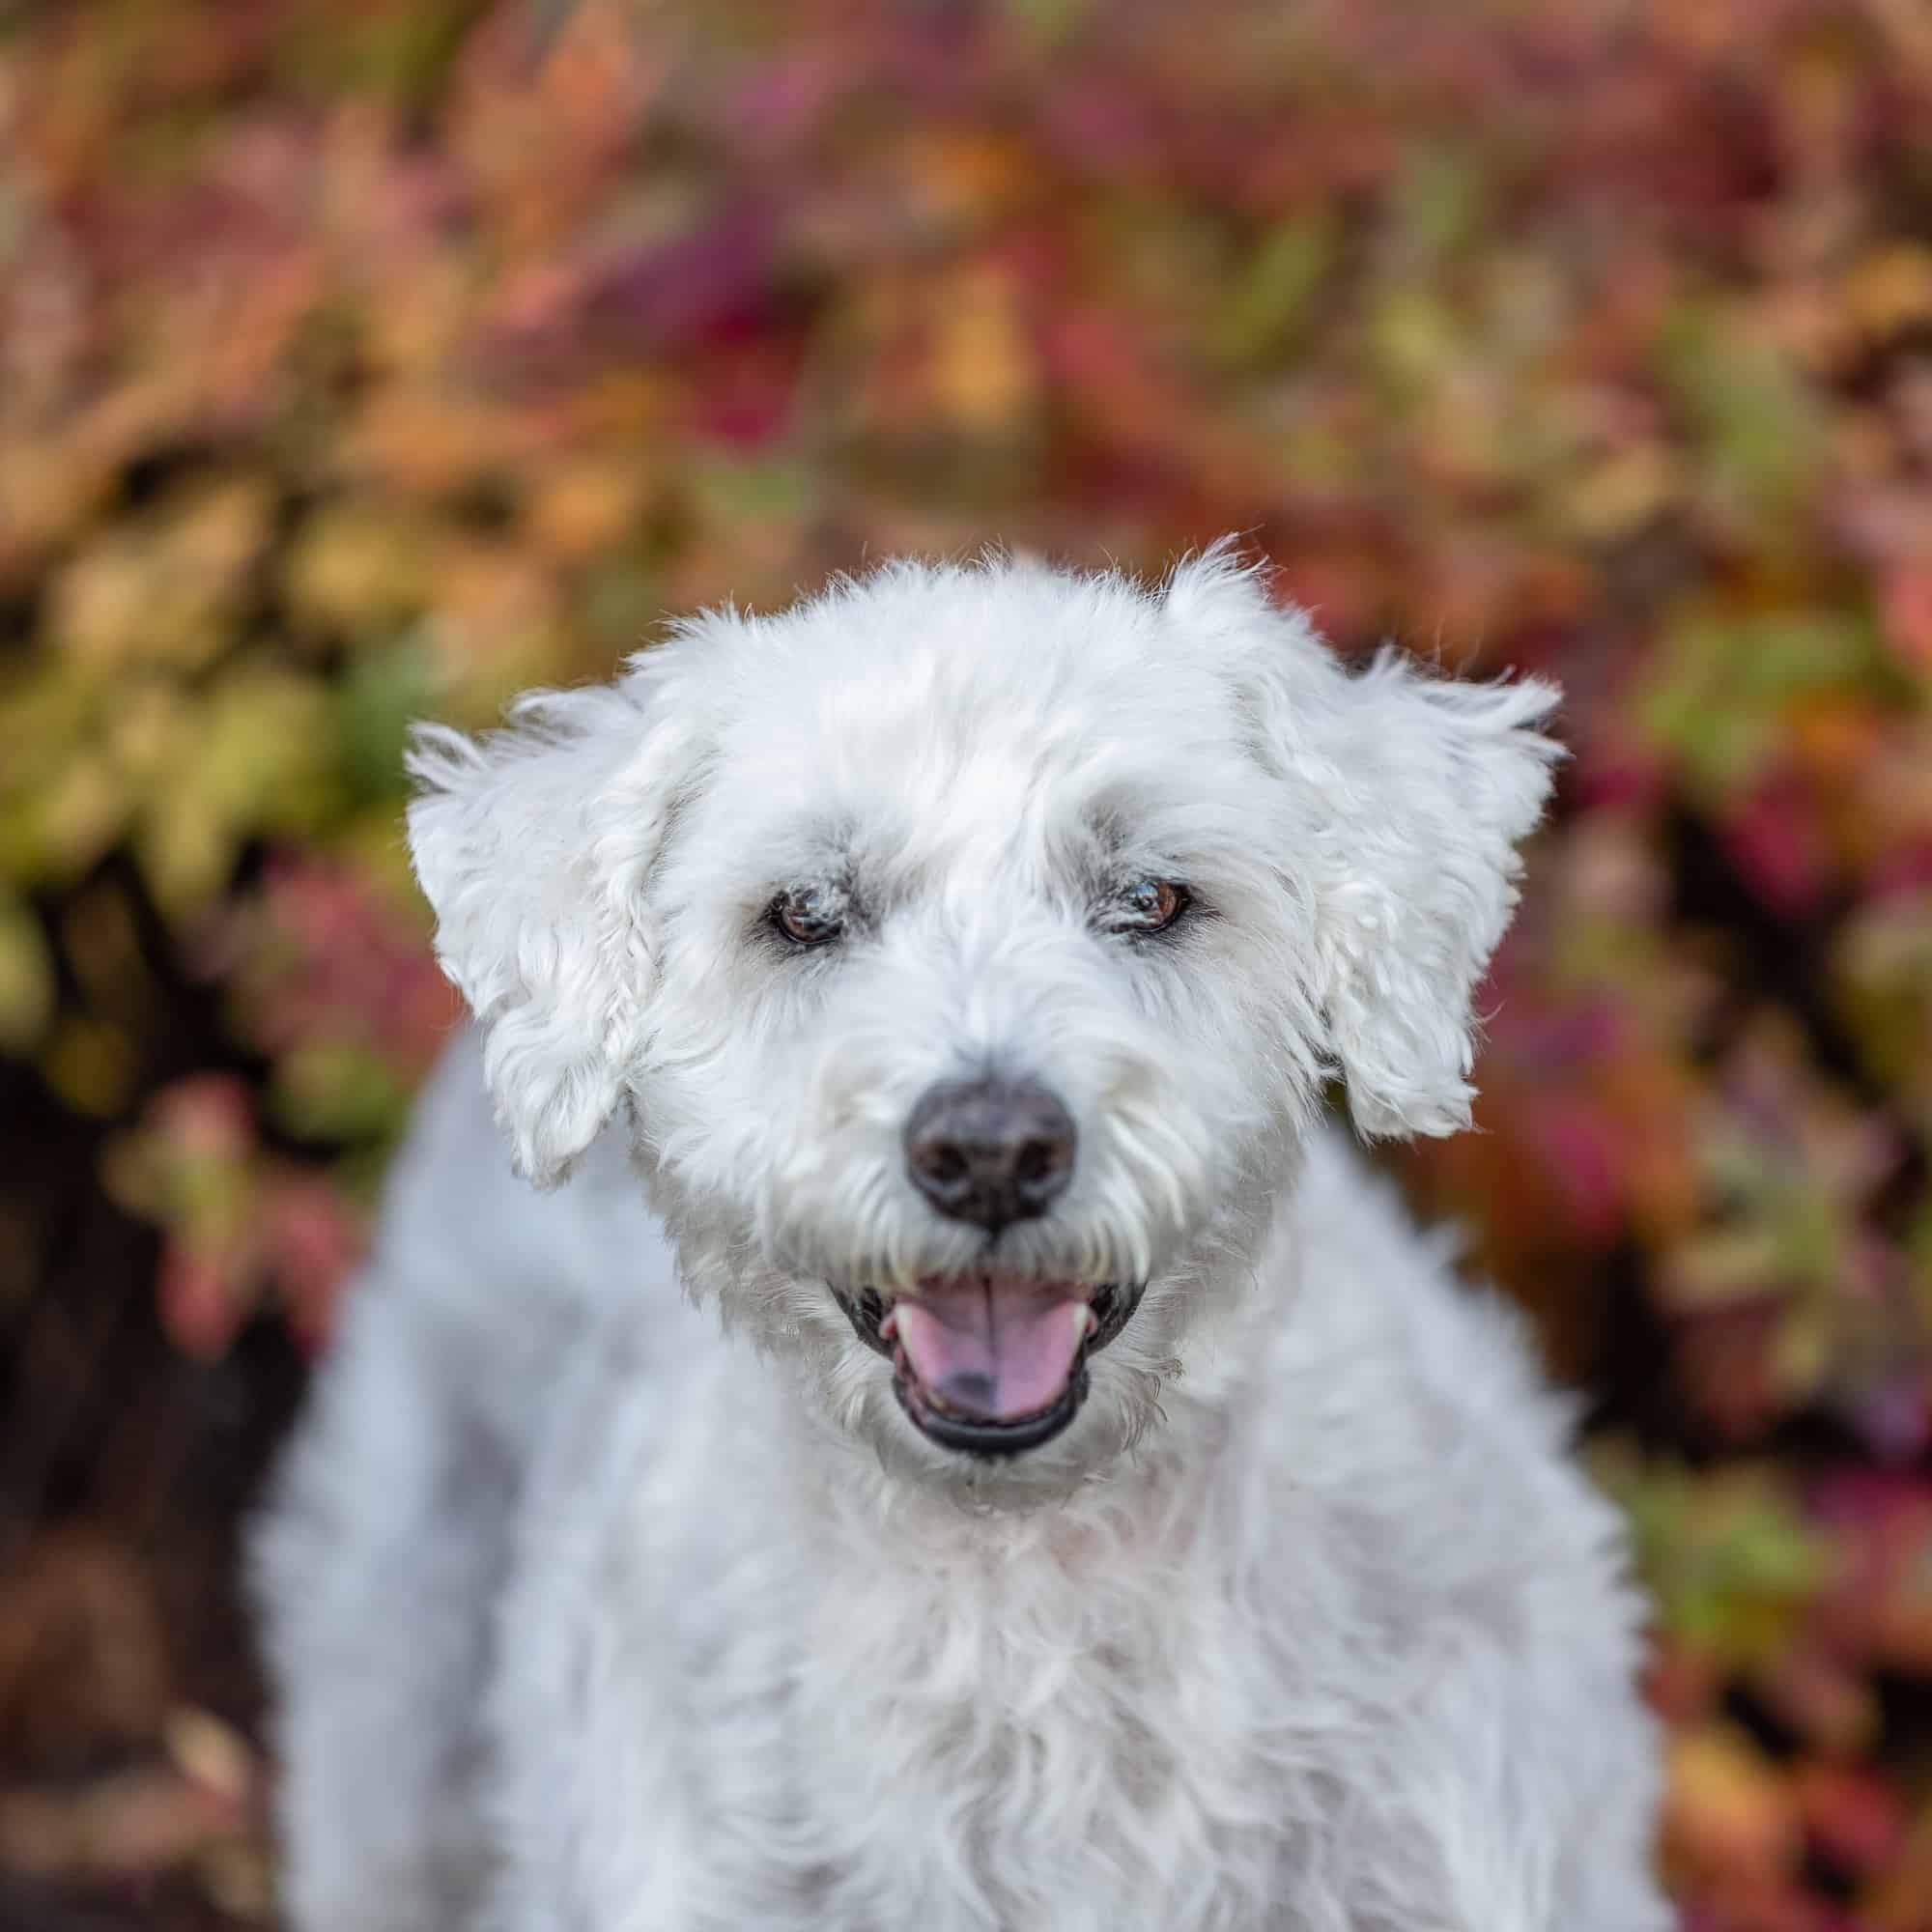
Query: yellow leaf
(983, 372)
(359, 566)
(1728, 1810)
(163, 591)
(26, 979)
(1620, 494)
(209, 1752)
(80, 816)
(1890, 290)
(590, 506)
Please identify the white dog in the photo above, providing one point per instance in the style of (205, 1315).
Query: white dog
(1065, 1495)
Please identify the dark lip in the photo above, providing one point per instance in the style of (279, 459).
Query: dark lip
(1113, 1304)
(990, 1441)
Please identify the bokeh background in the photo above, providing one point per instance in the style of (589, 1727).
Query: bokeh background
(361, 359)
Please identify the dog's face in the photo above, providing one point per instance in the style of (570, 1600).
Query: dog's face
(969, 948)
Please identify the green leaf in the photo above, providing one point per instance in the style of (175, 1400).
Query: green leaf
(1272, 295)
(381, 695)
(334, 1092)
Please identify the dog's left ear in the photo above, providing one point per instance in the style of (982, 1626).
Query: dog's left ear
(1407, 795)
(533, 846)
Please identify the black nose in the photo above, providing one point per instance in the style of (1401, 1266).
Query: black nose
(989, 1151)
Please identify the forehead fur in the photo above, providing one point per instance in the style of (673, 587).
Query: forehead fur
(949, 706)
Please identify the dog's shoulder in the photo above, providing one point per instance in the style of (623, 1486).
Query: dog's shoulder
(501, 1280)
(1421, 1398)
(1354, 1232)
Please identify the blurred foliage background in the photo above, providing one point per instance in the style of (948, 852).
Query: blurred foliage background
(367, 359)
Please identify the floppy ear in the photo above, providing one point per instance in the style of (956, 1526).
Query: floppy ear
(533, 846)
(1406, 796)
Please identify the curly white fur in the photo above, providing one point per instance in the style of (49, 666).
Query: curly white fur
(597, 1605)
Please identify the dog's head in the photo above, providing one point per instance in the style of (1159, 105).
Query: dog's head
(968, 949)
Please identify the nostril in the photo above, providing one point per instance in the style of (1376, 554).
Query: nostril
(944, 1164)
(940, 1167)
(1039, 1160)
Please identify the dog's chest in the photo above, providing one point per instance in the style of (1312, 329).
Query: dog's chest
(1035, 1743)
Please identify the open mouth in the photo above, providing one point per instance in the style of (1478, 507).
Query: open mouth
(992, 1364)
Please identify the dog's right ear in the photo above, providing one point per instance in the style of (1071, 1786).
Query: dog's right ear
(1407, 795)
(533, 846)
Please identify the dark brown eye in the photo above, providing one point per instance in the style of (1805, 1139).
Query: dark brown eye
(1150, 905)
(808, 916)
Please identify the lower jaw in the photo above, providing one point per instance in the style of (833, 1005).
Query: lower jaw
(991, 1442)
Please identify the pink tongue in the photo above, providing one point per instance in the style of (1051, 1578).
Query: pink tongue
(991, 1350)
